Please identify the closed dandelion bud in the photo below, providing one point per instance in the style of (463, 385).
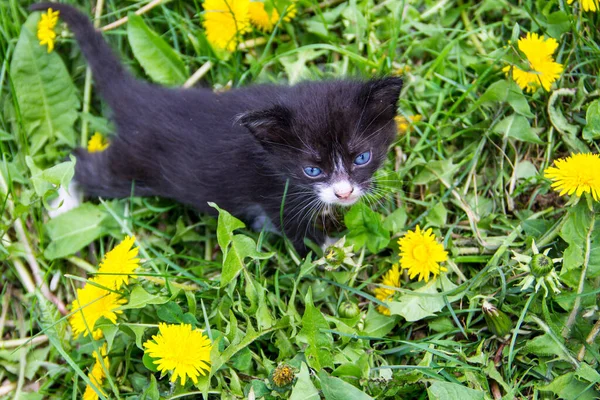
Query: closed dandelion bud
(334, 256)
(498, 322)
(282, 378)
(348, 310)
(541, 265)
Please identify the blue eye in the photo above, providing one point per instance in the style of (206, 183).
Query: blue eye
(363, 158)
(312, 172)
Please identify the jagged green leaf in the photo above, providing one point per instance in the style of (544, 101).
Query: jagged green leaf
(46, 95)
(159, 60)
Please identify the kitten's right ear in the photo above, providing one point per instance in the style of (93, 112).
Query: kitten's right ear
(269, 126)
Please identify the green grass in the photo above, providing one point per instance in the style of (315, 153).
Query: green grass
(471, 169)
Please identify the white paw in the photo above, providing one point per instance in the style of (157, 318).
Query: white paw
(67, 199)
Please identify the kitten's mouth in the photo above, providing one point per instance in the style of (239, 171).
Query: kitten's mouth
(347, 202)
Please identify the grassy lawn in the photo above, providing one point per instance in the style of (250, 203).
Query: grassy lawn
(496, 92)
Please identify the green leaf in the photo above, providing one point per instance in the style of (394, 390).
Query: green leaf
(567, 387)
(425, 302)
(583, 240)
(591, 131)
(517, 127)
(452, 391)
(505, 91)
(558, 120)
(151, 392)
(304, 389)
(226, 224)
(47, 98)
(337, 389)
(377, 324)
(48, 179)
(149, 362)
(75, 229)
(366, 228)
(170, 312)
(241, 247)
(139, 298)
(318, 352)
(157, 58)
(396, 221)
(442, 170)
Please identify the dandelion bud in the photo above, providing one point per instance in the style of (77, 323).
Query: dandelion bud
(282, 378)
(541, 265)
(348, 310)
(498, 322)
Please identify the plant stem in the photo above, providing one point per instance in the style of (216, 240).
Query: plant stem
(586, 261)
(124, 20)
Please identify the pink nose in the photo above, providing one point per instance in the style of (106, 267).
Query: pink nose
(344, 194)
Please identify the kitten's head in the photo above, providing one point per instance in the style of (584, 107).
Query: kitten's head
(329, 137)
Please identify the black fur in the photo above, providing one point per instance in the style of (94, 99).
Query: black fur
(237, 148)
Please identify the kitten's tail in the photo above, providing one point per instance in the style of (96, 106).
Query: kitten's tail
(108, 71)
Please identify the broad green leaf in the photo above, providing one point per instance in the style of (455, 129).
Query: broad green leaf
(506, 91)
(366, 228)
(170, 312)
(437, 215)
(151, 392)
(47, 98)
(75, 229)
(558, 23)
(241, 247)
(583, 240)
(568, 387)
(226, 224)
(591, 131)
(139, 298)
(558, 120)
(295, 64)
(452, 391)
(438, 170)
(396, 221)
(304, 389)
(544, 346)
(425, 302)
(377, 324)
(337, 389)
(517, 127)
(157, 58)
(58, 175)
(318, 351)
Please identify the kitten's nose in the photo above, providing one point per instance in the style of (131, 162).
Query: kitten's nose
(344, 192)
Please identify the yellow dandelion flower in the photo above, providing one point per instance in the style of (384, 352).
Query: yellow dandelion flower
(97, 375)
(191, 360)
(403, 124)
(92, 303)
(290, 12)
(260, 18)
(578, 173)
(97, 143)
(118, 264)
(45, 29)
(543, 69)
(420, 254)
(588, 5)
(392, 279)
(225, 21)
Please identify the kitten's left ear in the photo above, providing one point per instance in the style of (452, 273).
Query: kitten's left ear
(380, 96)
(269, 126)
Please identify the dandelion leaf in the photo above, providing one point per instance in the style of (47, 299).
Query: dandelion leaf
(318, 351)
(517, 127)
(452, 391)
(366, 228)
(304, 389)
(338, 389)
(75, 229)
(157, 58)
(591, 131)
(46, 95)
(426, 301)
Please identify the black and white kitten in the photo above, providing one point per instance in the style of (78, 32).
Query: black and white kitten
(238, 148)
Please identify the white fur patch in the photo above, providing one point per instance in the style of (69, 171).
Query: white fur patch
(67, 199)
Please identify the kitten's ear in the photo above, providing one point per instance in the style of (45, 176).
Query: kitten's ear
(379, 96)
(269, 125)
